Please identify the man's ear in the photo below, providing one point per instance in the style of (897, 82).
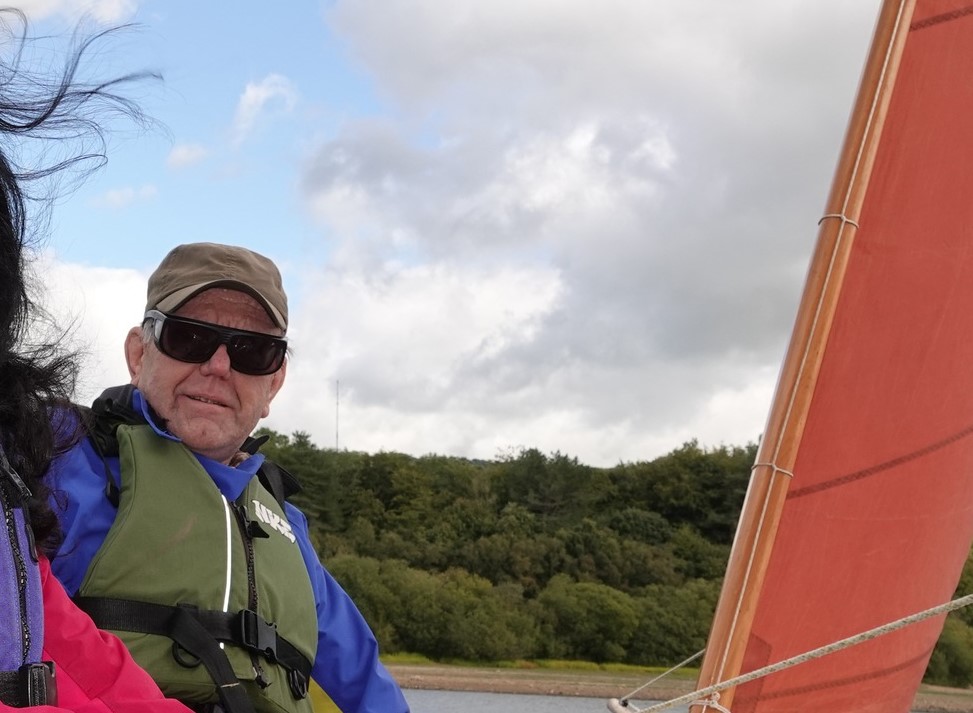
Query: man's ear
(134, 353)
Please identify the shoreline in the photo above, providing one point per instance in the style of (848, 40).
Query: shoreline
(537, 681)
(605, 684)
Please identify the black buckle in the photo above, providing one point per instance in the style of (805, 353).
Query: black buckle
(38, 683)
(258, 634)
(298, 684)
(185, 657)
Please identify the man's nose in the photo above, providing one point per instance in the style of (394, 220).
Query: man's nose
(219, 363)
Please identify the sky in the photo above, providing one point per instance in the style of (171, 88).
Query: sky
(576, 226)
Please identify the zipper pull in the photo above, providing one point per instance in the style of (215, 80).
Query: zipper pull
(18, 495)
(252, 528)
(11, 478)
(31, 542)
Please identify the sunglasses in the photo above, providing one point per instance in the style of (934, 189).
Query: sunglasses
(194, 342)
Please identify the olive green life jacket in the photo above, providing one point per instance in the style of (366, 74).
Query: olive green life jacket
(211, 597)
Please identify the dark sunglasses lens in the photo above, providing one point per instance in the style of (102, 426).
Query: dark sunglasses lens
(192, 343)
(256, 355)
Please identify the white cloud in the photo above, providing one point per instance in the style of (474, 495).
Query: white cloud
(255, 99)
(184, 155)
(86, 301)
(422, 344)
(123, 197)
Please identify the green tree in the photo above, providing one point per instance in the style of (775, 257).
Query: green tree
(556, 487)
(698, 557)
(704, 488)
(369, 583)
(642, 525)
(595, 553)
(673, 622)
(951, 663)
(586, 621)
(964, 587)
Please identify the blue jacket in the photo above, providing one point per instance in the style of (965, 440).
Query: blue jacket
(347, 666)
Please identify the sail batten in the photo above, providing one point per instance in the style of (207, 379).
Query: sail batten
(860, 507)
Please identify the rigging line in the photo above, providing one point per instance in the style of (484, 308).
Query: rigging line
(663, 675)
(696, 696)
(866, 133)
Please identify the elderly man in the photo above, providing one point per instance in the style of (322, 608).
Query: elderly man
(178, 538)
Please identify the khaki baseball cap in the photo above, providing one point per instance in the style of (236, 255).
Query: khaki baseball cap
(192, 268)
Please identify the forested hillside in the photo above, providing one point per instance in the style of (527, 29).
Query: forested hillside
(534, 556)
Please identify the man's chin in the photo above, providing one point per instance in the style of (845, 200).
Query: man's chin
(203, 436)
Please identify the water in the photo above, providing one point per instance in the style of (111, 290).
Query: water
(465, 702)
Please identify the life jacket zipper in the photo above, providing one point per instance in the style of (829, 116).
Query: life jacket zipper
(20, 566)
(246, 532)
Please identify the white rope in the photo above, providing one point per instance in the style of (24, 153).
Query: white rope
(663, 675)
(696, 697)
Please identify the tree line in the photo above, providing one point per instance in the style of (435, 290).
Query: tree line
(538, 556)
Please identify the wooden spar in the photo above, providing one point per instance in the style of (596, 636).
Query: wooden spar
(774, 464)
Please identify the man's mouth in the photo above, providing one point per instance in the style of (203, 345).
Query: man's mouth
(204, 400)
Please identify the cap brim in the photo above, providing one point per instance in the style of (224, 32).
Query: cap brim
(178, 298)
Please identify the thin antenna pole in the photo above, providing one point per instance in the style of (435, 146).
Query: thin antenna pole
(337, 392)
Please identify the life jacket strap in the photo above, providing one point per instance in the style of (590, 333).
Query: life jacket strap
(245, 628)
(33, 684)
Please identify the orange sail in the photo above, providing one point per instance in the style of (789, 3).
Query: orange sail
(860, 507)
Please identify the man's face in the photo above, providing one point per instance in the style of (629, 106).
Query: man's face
(211, 407)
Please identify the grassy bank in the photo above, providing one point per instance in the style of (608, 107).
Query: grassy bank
(553, 678)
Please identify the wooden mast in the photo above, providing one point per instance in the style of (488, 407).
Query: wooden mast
(775, 459)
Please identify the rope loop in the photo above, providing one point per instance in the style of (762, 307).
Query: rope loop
(711, 702)
(840, 216)
(774, 467)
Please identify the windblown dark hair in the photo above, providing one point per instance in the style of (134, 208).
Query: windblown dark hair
(36, 377)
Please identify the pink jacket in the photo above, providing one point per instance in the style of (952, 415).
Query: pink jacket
(94, 671)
